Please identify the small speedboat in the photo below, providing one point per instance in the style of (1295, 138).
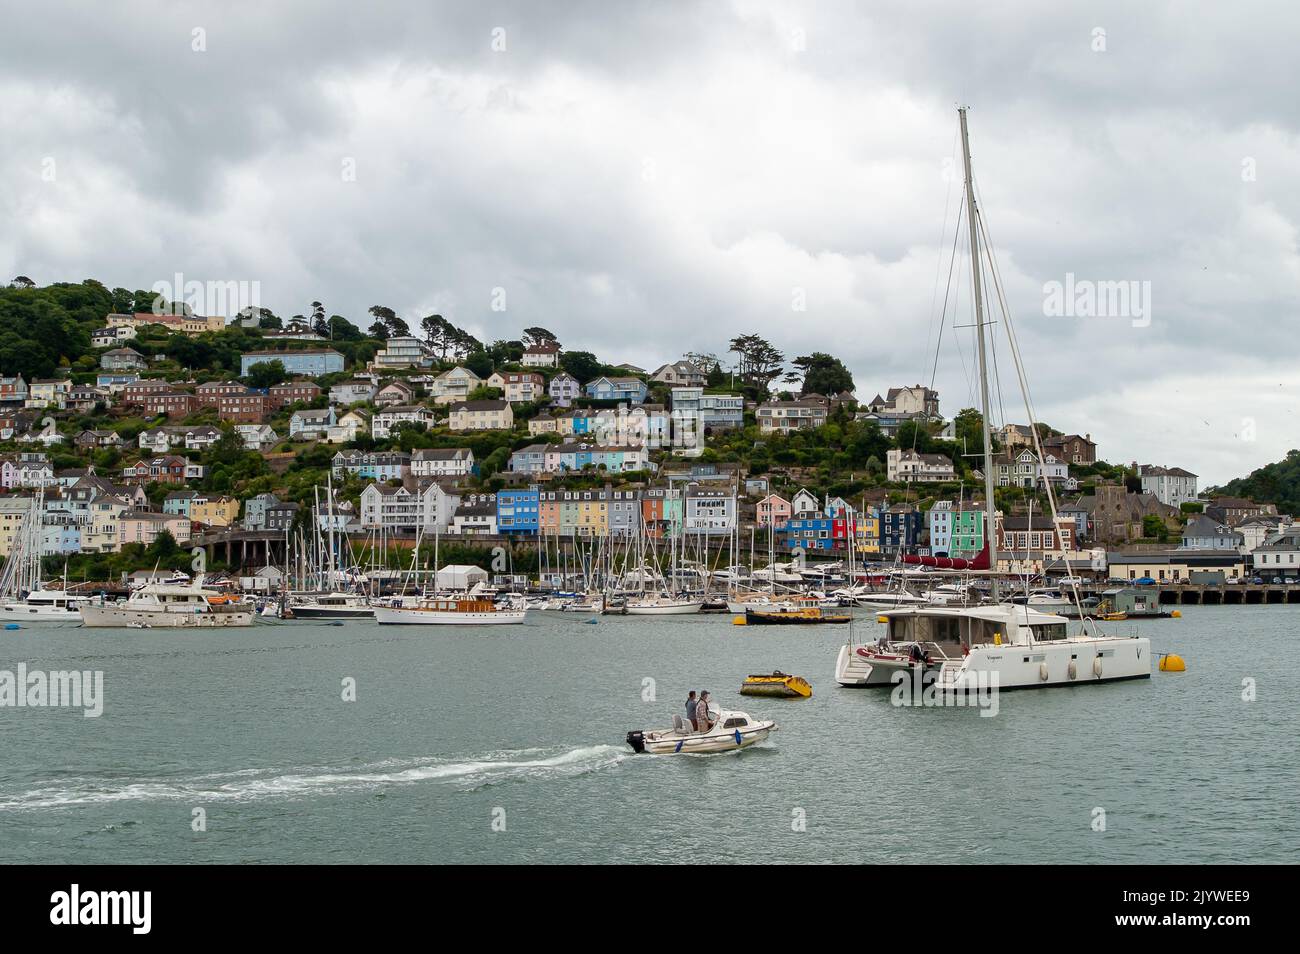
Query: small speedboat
(732, 730)
(776, 684)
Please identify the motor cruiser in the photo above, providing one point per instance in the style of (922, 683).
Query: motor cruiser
(167, 605)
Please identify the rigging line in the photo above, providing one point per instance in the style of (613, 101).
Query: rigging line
(1088, 624)
(993, 346)
(943, 230)
(952, 264)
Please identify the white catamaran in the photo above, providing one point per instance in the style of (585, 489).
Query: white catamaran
(23, 595)
(969, 648)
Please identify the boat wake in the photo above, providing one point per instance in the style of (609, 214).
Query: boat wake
(253, 784)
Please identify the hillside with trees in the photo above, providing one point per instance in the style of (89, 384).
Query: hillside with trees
(1277, 483)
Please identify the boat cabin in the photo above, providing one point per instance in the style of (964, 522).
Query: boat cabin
(951, 628)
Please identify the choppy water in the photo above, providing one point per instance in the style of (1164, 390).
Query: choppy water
(453, 729)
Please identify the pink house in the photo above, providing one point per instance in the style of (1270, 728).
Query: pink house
(773, 509)
(142, 526)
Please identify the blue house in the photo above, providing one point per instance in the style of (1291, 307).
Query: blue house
(815, 533)
(307, 363)
(518, 511)
(900, 528)
(633, 390)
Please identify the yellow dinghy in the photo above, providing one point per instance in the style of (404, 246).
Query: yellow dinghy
(776, 684)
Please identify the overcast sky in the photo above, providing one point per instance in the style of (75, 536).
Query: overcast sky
(647, 178)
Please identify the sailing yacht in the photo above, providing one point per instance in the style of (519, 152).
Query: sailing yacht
(966, 648)
(25, 598)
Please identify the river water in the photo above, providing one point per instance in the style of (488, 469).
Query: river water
(505, 744)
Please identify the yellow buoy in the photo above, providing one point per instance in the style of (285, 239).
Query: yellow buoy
(1172, 662)
(738, 621)
(1176, 614)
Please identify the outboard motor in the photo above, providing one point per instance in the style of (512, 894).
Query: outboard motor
(636, 739)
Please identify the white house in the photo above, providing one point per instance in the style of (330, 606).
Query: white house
(311, 423)
(1169, 485)
(403, 352)
(442, 462)
(352, 392)
(544, 354)
(454, 385)
(257, 437)
(804, 504)
(397, 508)
(348, 427)
(1278, 557)
(384, 421)
(908, 466)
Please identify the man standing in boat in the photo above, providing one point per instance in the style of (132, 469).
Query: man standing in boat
(702, 723)
(691, 705)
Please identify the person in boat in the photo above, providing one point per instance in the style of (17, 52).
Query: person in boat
(702, 722)
(691, 704)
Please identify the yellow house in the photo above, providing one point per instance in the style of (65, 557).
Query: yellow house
(867, 532)
(215, 511)
(13, 511)
(481, 416)
(543, 424)
(101, 534)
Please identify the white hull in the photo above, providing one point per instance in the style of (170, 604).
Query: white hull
(891, 600)
(740, 606)
(733, 730)
(393, 616)
(23, 613)
(674, 744)
(665, 608)
(1059, 663)
(109, 615)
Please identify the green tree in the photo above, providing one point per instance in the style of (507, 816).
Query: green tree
(581, 364)
(538, 335)
(264, 374)
(822, 373)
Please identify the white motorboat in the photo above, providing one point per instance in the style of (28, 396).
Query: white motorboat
(446, 611)
(731, 730)
(332, 606)
(45, 606)
(662, 605)
(589, 604)
(976, 647)
(166, 605)
(777, 573)
(954, 594)
(745, 603)
(891, 600)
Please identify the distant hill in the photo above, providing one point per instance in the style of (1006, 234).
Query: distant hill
(1277, 483)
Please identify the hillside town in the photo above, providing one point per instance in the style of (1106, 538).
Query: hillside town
(134, 451)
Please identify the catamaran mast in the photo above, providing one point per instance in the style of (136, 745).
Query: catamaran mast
(990, 526)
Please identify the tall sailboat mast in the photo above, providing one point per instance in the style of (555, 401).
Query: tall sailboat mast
(990, 524)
